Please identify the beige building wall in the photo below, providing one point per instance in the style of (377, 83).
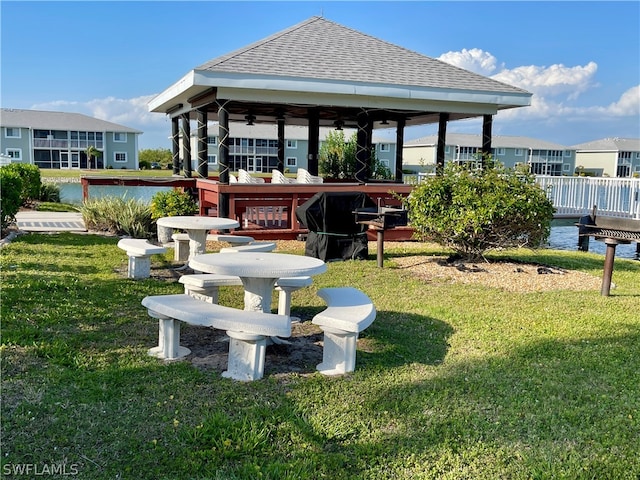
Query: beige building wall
(600, 163)
(416, 157)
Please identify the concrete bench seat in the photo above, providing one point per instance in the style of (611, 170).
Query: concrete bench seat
(252, 247)
(139, 251)
(247, 330)
(205, 286)
(349, 312)
(181, 243)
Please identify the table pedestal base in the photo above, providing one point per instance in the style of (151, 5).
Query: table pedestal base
(246, 356)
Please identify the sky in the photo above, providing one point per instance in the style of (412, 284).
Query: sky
(581, 60)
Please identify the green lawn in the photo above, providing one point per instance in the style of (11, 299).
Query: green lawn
(451, 381)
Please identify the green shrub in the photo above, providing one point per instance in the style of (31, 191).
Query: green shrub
(10, 195)
(473, 212)
(49, 192)
(30, 175)
(172, 203)
(119, 216)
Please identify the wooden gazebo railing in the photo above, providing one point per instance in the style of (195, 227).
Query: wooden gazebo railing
(267, 211)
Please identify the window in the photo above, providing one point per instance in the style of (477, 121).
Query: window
(384, 162)
(11, 132)
(385, 147)
(624, 158)
(566, 167)
(212, 141)
(212, 159)
(120, 157)
(291, 162)
(293, 144)
(567, 153)
(519, 152)
(447, 149)
(638, 155)
(623, 171)
(501, 152)
(14, 153)
(119, 136)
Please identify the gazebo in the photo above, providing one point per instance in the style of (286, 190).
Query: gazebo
(319, 73)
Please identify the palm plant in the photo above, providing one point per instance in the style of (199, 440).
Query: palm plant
(92, 152)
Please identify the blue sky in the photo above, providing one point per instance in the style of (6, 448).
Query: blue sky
(581, 60)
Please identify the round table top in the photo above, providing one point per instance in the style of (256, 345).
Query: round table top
(258, 264)
(198, 222)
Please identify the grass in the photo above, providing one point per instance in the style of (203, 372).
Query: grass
(451, 381)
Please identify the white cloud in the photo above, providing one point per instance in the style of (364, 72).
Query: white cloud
(627, 105)
(474, 60)
(553, 80)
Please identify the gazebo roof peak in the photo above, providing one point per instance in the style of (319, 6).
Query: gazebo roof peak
(318, 48)
(339, 71)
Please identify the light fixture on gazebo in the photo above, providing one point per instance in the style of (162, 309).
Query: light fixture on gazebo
(250, 119)
(338, 124)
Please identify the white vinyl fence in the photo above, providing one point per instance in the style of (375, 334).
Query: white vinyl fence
(576, 196)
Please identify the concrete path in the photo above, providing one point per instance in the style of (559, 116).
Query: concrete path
(34, 221)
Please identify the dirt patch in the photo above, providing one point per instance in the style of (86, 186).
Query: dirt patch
(300, 355)
(508, 276)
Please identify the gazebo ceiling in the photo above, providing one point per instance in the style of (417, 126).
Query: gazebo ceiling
(321, 66)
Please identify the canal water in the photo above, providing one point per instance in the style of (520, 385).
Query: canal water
(562, 238)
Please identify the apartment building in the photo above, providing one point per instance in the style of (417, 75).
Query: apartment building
(60, 140)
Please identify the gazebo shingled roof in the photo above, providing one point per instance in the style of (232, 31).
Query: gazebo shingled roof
(321, 63)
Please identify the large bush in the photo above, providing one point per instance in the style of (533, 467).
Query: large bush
(473, 212)
(30, 175)
(10, 195)
(172, 203)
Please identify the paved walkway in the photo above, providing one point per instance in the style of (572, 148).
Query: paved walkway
(34, 221)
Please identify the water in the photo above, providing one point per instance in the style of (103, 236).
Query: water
(72, 192)
(562, 238)
(566, 238)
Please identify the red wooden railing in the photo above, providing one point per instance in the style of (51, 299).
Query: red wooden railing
(266, 197)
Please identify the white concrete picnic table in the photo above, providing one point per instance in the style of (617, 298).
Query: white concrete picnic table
(258, 271)
(197, 228)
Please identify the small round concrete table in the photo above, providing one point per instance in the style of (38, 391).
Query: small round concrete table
(197, 228)
(258, 271)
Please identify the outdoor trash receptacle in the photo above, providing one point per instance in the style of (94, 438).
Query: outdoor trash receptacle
(333, 231)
